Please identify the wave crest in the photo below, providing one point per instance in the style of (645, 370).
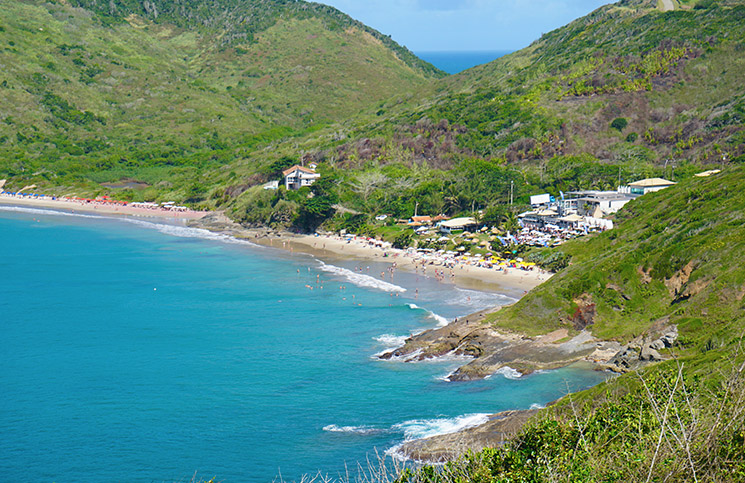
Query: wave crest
(188, 232)
(333, 428)
(509, 373)
(425, 428)
(441, 321)
(360, 279)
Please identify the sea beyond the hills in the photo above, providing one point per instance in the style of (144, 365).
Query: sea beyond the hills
(141, 351)
(458, 61)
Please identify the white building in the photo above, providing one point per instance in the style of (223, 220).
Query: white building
(644, 186)
(299, 176)
(595, 203)
(457, 224)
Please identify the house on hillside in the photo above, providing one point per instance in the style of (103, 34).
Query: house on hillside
(299, 176)
(644, 186)
(420, 221)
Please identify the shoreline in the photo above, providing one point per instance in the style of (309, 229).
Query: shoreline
(97, 207)
(511, 282)
(432, 343)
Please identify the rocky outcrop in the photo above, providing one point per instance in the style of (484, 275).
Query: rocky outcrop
(493, 350)
(436, 449)
(642, 351)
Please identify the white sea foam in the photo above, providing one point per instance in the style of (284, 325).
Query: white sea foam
(424, 428)
(172, 230)
(40, 211)
(188, 232)
(391, 341)
(509, 373)
(537, 406)
(441, 321)
(446, 377)
(475, 300)
(361, 280)
(333, 428)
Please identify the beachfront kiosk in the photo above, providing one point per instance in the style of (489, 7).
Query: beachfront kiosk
(463, 223)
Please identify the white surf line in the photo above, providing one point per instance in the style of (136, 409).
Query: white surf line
(360, 279)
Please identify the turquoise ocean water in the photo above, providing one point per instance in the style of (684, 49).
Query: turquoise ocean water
(136, 351)
(454, 62)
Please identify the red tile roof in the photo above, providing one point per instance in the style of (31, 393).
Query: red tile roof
(298, 167)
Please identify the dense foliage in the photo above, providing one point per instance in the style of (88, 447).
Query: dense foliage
(675, 259)
(87, 101)
(666, 425)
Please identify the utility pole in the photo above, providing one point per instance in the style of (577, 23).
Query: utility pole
(416, 207)
(512, 186)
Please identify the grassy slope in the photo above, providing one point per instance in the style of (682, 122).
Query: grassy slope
(563, 91)
(680, 420)
(542, 116)
(632, 274)
(167, 103)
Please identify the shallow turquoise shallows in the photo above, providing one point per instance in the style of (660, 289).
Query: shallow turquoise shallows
(134, 351)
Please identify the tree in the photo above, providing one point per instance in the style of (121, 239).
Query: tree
(368, 182)
(619, 123)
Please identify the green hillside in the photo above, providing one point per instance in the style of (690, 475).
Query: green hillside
(87, 98)
(625, 93)
(673, 77)
(674, 259)
(203, 105)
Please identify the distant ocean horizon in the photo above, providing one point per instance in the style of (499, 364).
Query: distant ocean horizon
(454, 62)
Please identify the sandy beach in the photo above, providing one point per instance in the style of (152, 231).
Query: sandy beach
(512, 281)
(467, 274)
(98, 207)
(509, 281)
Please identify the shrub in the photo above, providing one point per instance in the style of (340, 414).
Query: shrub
(403, 240)
(619, 123)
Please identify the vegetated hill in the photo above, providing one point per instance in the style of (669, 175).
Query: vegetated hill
(160, 91)
(627, 82)
(624, 93)
(674, 259)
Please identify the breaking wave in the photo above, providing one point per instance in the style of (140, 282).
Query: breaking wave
(187, 232)
(41, 211)
(509, 373)
(391, 341)
(361, 280)
(475, 300)
(441, 321)
(333, 428)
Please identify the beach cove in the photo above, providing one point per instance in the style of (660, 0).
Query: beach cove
(154, 350)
